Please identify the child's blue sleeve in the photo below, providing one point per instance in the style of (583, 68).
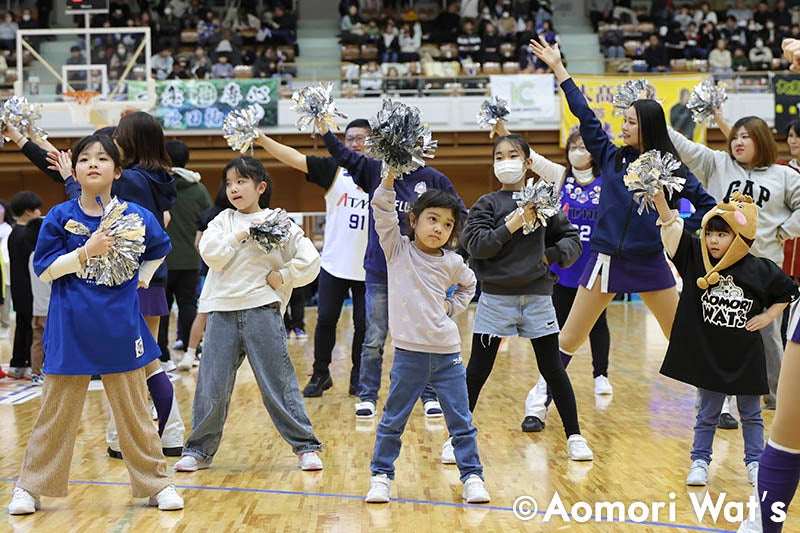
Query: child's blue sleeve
(52, 242)
(155, 238)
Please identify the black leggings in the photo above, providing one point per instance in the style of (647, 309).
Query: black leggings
(481, 361)
(599, 336)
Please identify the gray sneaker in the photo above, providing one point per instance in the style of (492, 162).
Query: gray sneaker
(698, 474)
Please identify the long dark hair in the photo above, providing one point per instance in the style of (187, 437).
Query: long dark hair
(142, 141)
(653, 136)
(105, 141)
(251, 168)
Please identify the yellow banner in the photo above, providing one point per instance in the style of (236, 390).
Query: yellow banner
(671, 91)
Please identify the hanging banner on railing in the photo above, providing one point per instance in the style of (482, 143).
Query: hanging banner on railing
(203, 104)
(529, 96)
(787, 95)
(672, 92)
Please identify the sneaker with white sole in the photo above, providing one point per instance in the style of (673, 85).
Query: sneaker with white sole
(578, 448)
(167, 499)
(752, 472)
(698, 474)
(23, 502)
(178, 345)
(752, 524)
(190, 463)
(448, 454)
(309, 461)
(380, 489)
(474, 490)
(365, 409)
(602, 386)
(168, 366)
(186, 363)
(433, 409)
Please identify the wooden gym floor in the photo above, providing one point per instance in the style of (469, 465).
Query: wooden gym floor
(641, 437)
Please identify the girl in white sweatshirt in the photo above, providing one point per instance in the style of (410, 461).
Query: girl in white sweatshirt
(245, 294)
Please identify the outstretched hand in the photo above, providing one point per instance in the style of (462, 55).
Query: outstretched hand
(61, 162)
(791, 51)
(551, 55)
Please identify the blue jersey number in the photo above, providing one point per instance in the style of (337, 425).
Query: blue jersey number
(357, 221)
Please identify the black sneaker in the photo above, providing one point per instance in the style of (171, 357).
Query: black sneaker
(769, 402)
(726, 421)
(531, 424)
(317, 385)
(172, 452)
(114, 454)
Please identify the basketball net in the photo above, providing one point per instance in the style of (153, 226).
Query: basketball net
(80, 103)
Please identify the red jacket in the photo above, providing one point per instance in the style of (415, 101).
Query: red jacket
(791, 250)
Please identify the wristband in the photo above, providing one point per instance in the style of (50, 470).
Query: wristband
(86, 253)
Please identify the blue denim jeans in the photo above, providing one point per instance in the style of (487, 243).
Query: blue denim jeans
(411, 371)
(377, 304)
(708, 417)
(260, 334)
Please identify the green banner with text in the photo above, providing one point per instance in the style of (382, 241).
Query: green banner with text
(203, 104)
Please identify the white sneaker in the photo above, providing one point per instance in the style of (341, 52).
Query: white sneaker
(578, 449)
(168, 366)
(474, 491)
(167, 499)
(190, 463)
(309, 461)
(23, 502)
(365, 409)
(433, 409)
(752, 472)
(602, 386)
(380, 489)
(698, 474)
(186, 363)
(448, 454)
(752, 524)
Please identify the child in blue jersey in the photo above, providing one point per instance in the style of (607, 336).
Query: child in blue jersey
(426, 338)
(93, 329)
(517, 283)
(245, 294)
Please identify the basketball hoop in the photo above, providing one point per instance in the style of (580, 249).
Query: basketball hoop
(80, 104)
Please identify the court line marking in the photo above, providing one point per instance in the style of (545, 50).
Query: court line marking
(360, 497)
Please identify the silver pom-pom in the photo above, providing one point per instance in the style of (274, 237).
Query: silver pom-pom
(315, 102)
(22, 115)
(240, 128)
(651, 173)
(121, 263)
(492, 111)
(400, 138)
(629, 92)
(705, 97)
(545, 199)
(273, 232)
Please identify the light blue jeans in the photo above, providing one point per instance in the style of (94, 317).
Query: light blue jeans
(411, 372)
(260, 334)
(708, 416)
(377, 309)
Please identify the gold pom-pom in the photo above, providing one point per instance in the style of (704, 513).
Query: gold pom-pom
(702, 283)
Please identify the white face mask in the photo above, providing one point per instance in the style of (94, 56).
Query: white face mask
(579, 158)
(509, 170)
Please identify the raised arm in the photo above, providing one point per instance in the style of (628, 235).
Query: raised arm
(285, 154)
(719, 118)
(698, 157)
(387, 223)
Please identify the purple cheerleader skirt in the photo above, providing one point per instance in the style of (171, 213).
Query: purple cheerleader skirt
(794, 326)
(153, 301)
(620, 274)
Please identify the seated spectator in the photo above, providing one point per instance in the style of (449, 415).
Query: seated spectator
(544, 13)
(529, 63)
(693, 49)
(350, 25)
(169, 30)
(720, 59)
(447, 24)
(76, 78)
(345, 5)
(760, 56)
(266, 63)
(226, 41)
(683, 17)
(413, 82)
(485, 18)
(118, 13)
(180, 71)
(469, 42)
(740, 12)
(207, 27)
(410, 39)
(656, 55)
(549, 33)
(200, 59)
(740, 61)
(600, 11)
(392, 82)
(506, 26)
(372, 33)
(27, 22)
(708, 36)
(762, 13)
(161, 63)
(283, 26)
(389, 43)
(371, 82)
(179, 8)
(120, 58)
(675, 41)
(612, 43)
(8, 32)
(490, 45)
(733, 33)
(222, 69)
(782, 16)
(705, 14)
(772, 37)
